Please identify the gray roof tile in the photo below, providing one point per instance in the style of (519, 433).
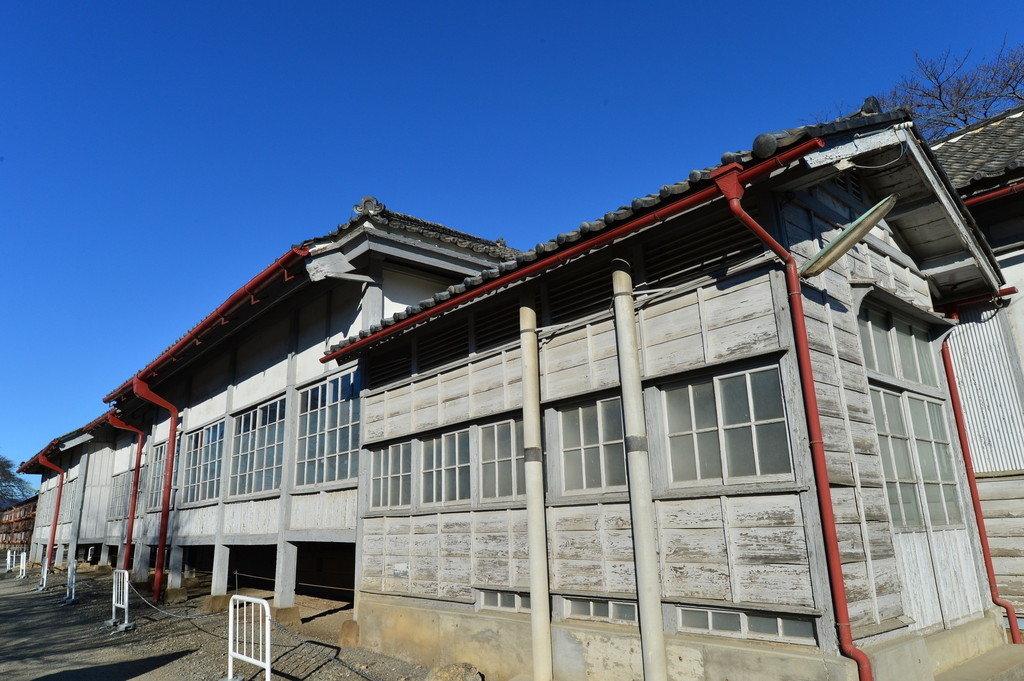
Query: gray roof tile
(984, 151)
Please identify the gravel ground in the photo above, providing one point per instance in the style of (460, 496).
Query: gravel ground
(41, 640)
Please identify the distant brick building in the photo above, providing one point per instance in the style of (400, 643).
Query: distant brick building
(16, 524)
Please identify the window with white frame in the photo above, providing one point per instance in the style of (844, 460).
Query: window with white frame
(601, 610)
(593, 449)
(155, 489)
(916, 459)
(767, 626)
(727, 427)
(259, 449)
(328, 445)
(502, 460)
(896, 347)
(391, 476)
(509, 601)
(446, 468)
(203, 451)
(120, 496)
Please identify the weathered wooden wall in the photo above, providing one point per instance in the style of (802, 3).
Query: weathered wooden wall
(1001, 502)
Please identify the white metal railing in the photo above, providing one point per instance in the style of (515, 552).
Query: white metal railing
(69, 591)
(10, 561)
(42, 575)
(249, 633)
(23, 570)
(119, 601)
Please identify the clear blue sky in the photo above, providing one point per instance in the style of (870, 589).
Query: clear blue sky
(156, 155)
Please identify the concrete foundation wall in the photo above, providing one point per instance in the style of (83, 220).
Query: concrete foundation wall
(499, 645)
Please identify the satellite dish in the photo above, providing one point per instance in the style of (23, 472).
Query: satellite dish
(848, 237)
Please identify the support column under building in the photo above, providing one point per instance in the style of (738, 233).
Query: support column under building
(284, 577)
(219, 582)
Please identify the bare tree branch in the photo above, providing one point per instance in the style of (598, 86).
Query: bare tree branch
(948, 91)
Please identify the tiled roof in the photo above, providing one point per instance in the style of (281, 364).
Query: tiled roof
(765, 145)
(985, 150)
(371, 208)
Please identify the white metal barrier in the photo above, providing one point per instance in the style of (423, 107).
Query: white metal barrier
(10, 561)
(249, 634)
(42, 575)
(119, 601)
(23, 570)
(69, 592)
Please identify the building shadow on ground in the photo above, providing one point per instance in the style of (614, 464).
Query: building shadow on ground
(119, 670)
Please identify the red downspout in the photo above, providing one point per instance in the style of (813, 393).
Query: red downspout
(118, 423)
(730, 183)
(56, 510)
(972, 483)
(667, 211)
(997, 194)
(141, 389)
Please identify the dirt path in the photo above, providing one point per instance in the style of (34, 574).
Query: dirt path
(41, 640)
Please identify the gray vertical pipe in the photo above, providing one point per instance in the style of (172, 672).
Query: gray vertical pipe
(641, 504)
(536, 529)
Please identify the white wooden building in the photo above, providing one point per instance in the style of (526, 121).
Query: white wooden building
(473, 463)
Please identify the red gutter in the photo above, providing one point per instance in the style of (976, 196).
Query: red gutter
(141, 389)
(118, 423)
(731, 183)
(218, 317)
(995, 194)
(665, 212)
(56, 508)
(953, 307)
(972, 483)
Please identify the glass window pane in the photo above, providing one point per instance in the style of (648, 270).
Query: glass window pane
(798, 628)
(919, 418)
(865, 340)
(694, 619)
(772, 448)
(524, 601)
(487, 475)
(933, 499)
(624, 611)
(600, 608)
(574, 469)
(880, 338)
(739, 452)
(504, 438)
(725, 621)
(507, 600)
(704, 409)
(908, 356)
(571, 428)
(901, 455)
(611, 420)
(463, 445)
(578, 607)
(763, 625)
(684, 463)
(938, 421)
(709, 455)
(588, 419)
(945, 462)
(886, 454)
(504, 478)
(925, 358)
(735, 408)
(592, 467)
(895, 508)
(926, 458)
(894, 414)
(677, 407)
(911, 504)
(952, 504)
(490, 598)
(615, 464)
(764, 386)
